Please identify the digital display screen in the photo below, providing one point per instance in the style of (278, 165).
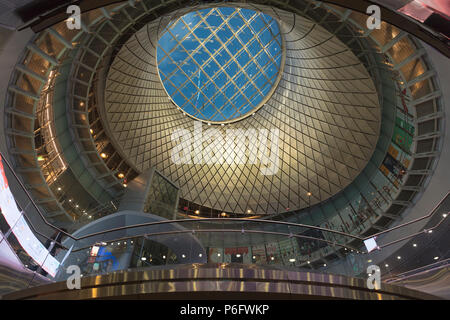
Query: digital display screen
(35, 249)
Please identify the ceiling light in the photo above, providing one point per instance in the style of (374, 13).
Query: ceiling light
(59, 189)
(197, 211)
(272, 258)
(369, 261)
(435, 258)
(121, 175)
(308, 262)
(218, 254)
(143, 258)
(164, 257)
(291, 260)
(254, 257)
(183, 256)
(238, 255)
(103, 155)
(70, 200)
(223, 214)
(91, 131)
(125, 185)
(324, 264)
(444, 215)
(309, 194)
(386, 265)
(82, 103)
(430, 231)
(414, 245)
(249, 211)
(200, 255)
(398, 257)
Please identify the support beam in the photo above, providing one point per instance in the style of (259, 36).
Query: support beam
(379, 228)
(15, 132)
(31, 73)
(390, 216)
(60, 38)
(42, 54)
(412, 188)
(22, 92)
(423, 76)
(45, 200)
(397, 38)
(431, 95)
(19, 113)
(412, 57)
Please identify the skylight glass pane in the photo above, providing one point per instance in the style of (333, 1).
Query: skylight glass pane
(224, 76)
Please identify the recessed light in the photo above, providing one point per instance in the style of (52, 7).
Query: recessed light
(414, 245)
(59, 189)
(272, 258)
(324, 264)
(386, 265)
(183, 256)
(398, 257)
(435, 258)
(444, 215)
(218, 254)
(164, 257)
(200, 255)
(308, 262)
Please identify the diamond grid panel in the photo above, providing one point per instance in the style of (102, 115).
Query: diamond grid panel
(325, 107)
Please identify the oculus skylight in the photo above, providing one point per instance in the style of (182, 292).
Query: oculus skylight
(219, 64)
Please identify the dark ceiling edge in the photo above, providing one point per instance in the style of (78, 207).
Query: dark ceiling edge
(391, 17)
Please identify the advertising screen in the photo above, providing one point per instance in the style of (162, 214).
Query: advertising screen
(35, 249)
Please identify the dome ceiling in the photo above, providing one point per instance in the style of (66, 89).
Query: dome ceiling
(324, 116)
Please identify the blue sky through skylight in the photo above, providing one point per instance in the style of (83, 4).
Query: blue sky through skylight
(218, 64)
